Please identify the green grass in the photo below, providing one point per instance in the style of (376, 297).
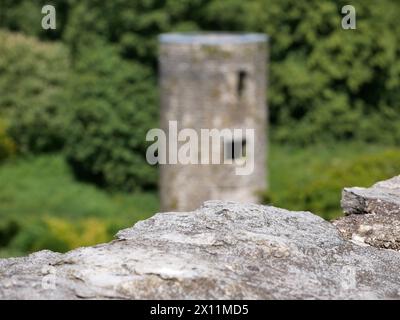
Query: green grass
(295, 166)
(40, 187)
(312, 178)
(44, 185)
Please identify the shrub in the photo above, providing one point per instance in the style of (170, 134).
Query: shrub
(326, 83)
(8, 230)
(37, 236)
(31, 95)
(59, 235)
(84, 233)
(114, 105)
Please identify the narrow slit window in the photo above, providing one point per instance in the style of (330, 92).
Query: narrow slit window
(235, 149)
(241, 84)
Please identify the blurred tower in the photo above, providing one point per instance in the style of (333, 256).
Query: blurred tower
(213, 80)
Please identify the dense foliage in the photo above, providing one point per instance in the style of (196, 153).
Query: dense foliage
(33, 77)
(323, 79)
(7, 145)
(113, 106)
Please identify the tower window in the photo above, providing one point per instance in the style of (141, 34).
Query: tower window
(235, 149)
(241, 84)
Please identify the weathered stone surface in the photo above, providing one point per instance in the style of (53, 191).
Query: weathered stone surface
(223, 250)
(373, 214)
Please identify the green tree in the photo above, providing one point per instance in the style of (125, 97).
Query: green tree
(113, 103)
(32, 79)
(325, 82)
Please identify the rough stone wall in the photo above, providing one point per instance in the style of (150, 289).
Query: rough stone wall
(372, 214)
(199, 81)
(228, 250)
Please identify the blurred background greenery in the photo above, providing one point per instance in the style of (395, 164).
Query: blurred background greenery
(76, 102)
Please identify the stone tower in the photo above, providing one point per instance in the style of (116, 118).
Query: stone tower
(214, 81)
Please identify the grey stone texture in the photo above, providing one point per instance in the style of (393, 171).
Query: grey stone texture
(213, 80)
(223, 250)
(372, 214)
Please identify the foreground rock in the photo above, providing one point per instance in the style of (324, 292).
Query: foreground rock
(223, 250)
(373, 214)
